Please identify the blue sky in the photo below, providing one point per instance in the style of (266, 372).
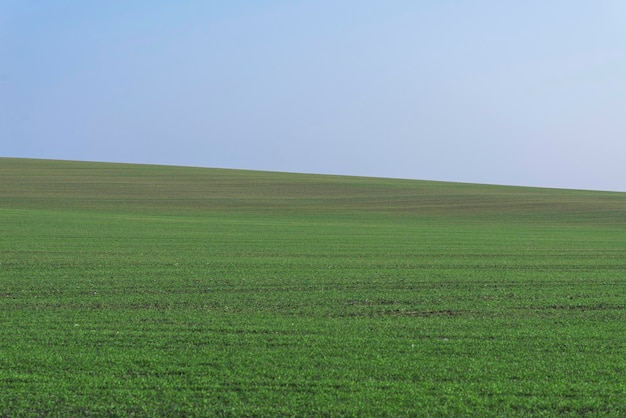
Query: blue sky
(522, 93)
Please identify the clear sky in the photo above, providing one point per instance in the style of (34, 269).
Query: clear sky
(504, 92)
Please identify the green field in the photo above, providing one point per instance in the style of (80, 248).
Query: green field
(169, 291)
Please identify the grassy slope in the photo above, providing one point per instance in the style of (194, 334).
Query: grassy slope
(154, 290)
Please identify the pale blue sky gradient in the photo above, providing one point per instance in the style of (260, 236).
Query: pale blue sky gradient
(523, 93)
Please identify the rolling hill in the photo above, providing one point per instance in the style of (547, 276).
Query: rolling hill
(158, 290)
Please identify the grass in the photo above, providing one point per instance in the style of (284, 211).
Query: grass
(152, 291)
